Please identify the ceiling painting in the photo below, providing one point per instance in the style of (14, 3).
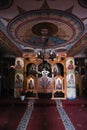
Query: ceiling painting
(65, 28)
(21, 23)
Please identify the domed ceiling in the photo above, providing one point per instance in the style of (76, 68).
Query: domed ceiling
(21, 23)
(65, 28)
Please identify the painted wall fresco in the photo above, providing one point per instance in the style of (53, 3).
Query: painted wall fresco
(70, 78)
(19, 77)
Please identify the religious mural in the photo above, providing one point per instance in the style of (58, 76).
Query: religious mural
(70, 78)
(19, 76)
(18, 80)
(19, 64)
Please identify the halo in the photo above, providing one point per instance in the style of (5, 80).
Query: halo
(52, 28)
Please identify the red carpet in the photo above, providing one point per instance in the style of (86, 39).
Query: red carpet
(77, 112)
(45, 116)
(11, 112)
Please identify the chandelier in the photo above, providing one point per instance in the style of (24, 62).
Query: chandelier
(46, 54)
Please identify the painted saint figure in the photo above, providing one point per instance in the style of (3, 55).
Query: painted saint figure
(71, 80)
(18, 66)
(44, 82)
(19, 80)
(59, 85)
(31, 84)
(70, 66)
(46, 38)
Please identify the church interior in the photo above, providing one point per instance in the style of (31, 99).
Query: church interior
(43, 64)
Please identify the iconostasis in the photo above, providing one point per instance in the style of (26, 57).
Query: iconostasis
(48, 78)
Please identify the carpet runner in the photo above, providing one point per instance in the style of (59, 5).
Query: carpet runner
(77, 112)
(65, 119)
(26, 117)
(45, 114)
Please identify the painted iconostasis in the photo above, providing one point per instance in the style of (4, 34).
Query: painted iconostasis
(54, 79)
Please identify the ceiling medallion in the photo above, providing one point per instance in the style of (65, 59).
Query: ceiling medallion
(64, 29)
(44, 55)
(36, 29)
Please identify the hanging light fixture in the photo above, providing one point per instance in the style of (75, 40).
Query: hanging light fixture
(52, 55)
(46, 55)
